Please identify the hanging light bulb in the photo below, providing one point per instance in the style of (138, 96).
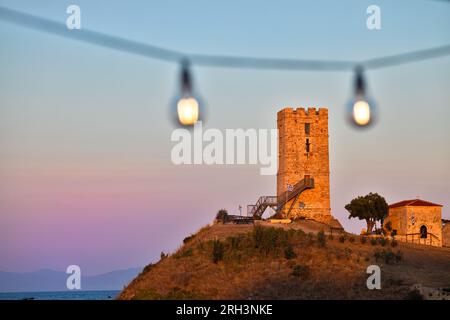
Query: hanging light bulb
(361, 113)
(187, 105)
(187, 109)
(361, 108)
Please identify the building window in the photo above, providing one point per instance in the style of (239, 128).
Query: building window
(307, 128)
(307, 145)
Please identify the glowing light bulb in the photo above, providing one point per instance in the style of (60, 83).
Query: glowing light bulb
(187, 105)
(362, 109)
(361, 113)
(188, 111)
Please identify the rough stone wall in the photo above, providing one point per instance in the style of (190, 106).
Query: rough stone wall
(295, 162)
(430, 217)
(446, 235)
(397, 217)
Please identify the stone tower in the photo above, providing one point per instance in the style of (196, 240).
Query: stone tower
(303, 153)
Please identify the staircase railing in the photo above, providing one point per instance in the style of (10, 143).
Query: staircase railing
(299, 187)
(263, 202)
(257, 210)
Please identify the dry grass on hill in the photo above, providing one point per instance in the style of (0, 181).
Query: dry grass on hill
(286, 262)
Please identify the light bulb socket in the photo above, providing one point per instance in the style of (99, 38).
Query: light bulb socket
(360, 83)
(186, 79)
(186, 92)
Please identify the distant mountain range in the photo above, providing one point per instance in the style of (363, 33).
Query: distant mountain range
(51, 280)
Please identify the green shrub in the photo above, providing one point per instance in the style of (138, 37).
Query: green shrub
(300, 271)
(147, 268)
(373, 241)
(258, 235)
(269, 240)
(163, 255)
(382, 241)
(235, 242)
(363, 239)
(188, 238)
(330, 237)
(388, 226)
(388, 256)
(218, 251)
(321, 240)
(394, 243)
(348, 253)
(289, 252)
(222, 215)
(342, 238)
(184, 253)
(351, 239)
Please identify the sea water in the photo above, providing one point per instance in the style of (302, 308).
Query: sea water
(61, 295)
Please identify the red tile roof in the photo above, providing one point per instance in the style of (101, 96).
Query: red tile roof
(414, 202)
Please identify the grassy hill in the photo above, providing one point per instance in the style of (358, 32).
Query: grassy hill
(297, 261)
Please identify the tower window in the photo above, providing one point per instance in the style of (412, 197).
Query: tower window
(307, 128)
(307, 145)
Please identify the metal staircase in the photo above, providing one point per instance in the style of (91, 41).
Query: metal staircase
(256, 211)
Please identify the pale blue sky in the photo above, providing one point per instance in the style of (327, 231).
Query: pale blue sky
(85, 134)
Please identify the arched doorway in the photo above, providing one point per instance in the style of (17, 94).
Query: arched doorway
(423, 232)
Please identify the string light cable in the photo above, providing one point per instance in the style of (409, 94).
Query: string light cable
(188, 105)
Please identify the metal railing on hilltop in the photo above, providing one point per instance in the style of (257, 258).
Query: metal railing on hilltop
(417, 238)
